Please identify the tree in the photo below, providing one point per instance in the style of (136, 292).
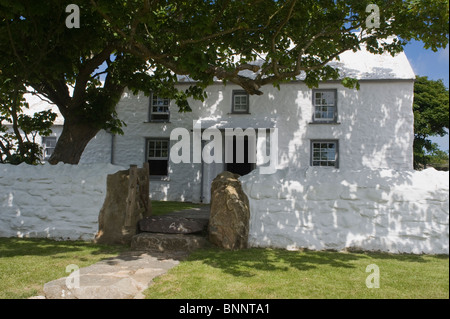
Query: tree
(18, 144)
(431, 117)
(146, 44)
(438, 159)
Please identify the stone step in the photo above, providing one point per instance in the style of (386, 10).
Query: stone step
(159, 242)
(172, 225)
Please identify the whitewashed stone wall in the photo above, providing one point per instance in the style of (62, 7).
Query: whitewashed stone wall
(386, 210)
(60, 202)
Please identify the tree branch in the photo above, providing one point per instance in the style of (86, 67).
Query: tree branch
(85, 73)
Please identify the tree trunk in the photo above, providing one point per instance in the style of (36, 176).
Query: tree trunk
(72, 142)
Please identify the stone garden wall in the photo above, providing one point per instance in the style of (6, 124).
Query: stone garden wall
(320, 208)
(60, 202)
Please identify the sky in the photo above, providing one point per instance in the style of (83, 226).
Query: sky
(435, 65)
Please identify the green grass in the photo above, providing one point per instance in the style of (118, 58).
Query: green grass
(164, 207)
(273, 273)
(27, 264)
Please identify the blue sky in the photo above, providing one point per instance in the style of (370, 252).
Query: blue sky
(435, 65)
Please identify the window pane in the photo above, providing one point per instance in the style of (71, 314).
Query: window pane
(330, 114)
(324, 154)
(158, 167)
(328, 98)
(159, 104)
(325, 105)
(50, 142)
(240, 102)
(49, 152)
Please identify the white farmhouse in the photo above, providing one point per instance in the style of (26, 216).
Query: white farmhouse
(323, 168)
(331, 127)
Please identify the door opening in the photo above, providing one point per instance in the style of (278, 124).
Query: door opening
(238, 166)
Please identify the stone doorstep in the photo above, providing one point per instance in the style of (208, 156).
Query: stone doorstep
(172, 225)
(158, 242)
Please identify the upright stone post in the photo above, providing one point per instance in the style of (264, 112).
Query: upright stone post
(127, 201)
(230, 213)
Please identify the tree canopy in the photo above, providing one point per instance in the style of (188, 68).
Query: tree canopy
(18, 131)
(431, 117)
(203, 39)
(144, 45)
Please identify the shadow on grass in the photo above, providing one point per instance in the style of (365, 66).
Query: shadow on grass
(243, 262)
(11, 247)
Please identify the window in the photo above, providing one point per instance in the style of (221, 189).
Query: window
(240, 103)
(324, 153)
(49, 143)
(325, 106)
(158, 156)
(159, 109)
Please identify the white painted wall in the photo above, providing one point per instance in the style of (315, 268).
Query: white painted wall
(386, 210)
(375, 130)
(54, 201)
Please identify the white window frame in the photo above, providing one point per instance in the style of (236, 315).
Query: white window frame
(318, 160)
(157, 153)
(323, 108)
(160, 107)
(45, 146)
(240, 108)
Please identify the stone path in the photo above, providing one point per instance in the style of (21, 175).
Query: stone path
(125, 276)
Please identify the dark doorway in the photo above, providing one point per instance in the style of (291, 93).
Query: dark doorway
(241, 167)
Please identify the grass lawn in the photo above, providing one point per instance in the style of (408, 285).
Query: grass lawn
(162, 207)
(273, 273)
(27, 264)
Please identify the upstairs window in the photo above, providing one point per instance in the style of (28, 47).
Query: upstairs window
(48, 143)
(159, 109)
(325, 106)
(324, 153)
(240, 103)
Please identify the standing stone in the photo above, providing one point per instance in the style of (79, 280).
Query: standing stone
(126, 202)
(230, 213)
